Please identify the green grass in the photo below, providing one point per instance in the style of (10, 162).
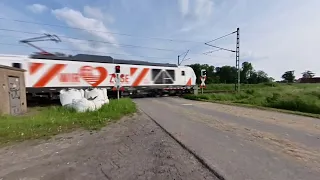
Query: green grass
(230, 87)
(210, 88)
(294, 97)
(49, 121)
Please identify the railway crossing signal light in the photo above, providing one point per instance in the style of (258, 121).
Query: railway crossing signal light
(117, 69)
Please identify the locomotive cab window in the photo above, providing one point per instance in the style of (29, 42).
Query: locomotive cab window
(16, 65)
(182, 73)
(163, 76)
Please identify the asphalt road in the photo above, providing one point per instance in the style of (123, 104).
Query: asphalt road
(242, 143)
(134, 148)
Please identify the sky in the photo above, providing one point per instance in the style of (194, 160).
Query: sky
(275, 36)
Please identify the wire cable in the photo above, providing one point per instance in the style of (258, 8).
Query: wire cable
(74, 50)
(122, 34)
(89, 40)
(104, 42)
(222, 37)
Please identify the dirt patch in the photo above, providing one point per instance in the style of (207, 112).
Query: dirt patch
(133, 148)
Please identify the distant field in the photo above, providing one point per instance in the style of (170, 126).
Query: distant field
(295, 97)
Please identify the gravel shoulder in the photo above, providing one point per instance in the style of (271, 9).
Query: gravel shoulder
(133, 148)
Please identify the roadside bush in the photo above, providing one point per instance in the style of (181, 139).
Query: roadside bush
(241, 95)
(314, 93)
(302, 103)
(273, 98)
(250, 91)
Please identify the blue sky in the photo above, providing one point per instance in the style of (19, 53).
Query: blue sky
(276, 36)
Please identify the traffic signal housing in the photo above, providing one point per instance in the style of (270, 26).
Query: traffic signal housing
(117, 69)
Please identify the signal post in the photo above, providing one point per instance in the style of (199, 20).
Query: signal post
(117, 80)
(203, 78)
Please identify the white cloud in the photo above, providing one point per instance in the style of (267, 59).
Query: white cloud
(195, 13)
(184, 7)
(86, 47)
(275, 36)
(37, 8)
(97, 14)
(203, 8)
(76, 46)
(93, 26)
(289, 38)
(196, 9)
(93, 12)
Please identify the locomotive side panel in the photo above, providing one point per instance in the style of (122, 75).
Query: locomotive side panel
(49, 76)
(51, 73)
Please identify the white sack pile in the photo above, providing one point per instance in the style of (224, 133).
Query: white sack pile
(82, 101)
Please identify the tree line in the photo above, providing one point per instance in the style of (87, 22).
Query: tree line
(248, 75)
(289, 76)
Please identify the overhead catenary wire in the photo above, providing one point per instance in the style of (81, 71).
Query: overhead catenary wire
(207, 43)
(185, 60)
(104, 42)
(221, 48)
(185, 54)
(75, 50)
(114, 33)
(85, 41)
(221, 37)
(206, 53)
(122, 34)
(236, 51)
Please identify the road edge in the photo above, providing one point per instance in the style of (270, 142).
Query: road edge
(251, 106)
(213, 170)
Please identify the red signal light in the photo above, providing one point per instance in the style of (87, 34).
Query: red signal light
(117, 69)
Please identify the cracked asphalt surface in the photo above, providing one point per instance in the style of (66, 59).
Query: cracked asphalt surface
(132, 149)
(242, 143)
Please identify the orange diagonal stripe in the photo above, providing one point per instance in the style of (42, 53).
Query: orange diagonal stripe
(189, 82)
(140, 77)
(34, 67)
(132, 71)
(49, 75)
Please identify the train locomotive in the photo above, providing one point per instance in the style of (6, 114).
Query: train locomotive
(47, 74)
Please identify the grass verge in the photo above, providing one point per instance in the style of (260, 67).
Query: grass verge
(301, 100)
(259, 107)
(53, 120)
